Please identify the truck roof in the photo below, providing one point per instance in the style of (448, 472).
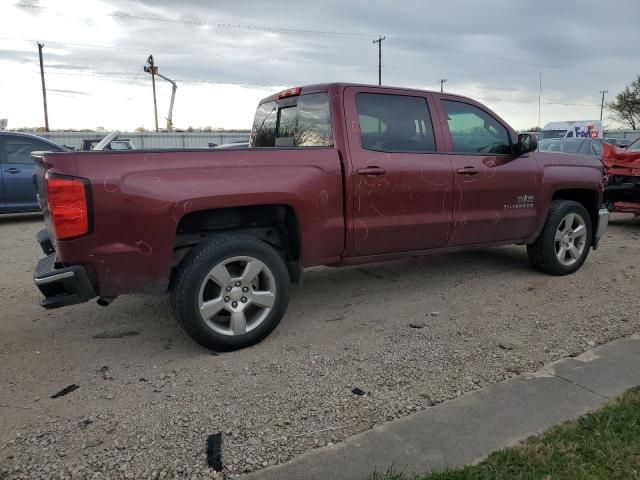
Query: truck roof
(324, 87)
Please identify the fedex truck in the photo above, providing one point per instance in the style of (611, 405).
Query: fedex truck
(573, 129)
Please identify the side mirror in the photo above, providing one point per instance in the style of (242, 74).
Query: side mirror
(527, 142)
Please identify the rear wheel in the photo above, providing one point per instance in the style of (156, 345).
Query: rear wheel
(230, 292)
(565, 240)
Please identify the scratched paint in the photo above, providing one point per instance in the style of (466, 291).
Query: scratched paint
(149, 159)
(143, 247)
(366, 229)
(111, 185)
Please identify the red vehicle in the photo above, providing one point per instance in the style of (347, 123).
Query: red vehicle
(336, 174)
(622, 177)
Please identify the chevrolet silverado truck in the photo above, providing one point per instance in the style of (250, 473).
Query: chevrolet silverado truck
(335, 174)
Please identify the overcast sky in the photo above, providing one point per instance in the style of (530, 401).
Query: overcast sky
(226, 55)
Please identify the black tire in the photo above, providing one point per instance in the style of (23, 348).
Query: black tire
(195, 267)
(542, 253)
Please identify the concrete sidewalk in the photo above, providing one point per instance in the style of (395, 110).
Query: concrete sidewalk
(467, 429)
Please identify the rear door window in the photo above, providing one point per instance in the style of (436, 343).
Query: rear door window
(294, 122)
(395, 123)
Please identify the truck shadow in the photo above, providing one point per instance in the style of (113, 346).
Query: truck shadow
(323, 289)
(442, 267)
(17, 218)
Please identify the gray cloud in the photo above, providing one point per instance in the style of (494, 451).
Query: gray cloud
(585, 47)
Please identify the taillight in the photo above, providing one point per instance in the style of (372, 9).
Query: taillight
(68, 204)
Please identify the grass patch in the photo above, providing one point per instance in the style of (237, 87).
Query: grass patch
(601, 445)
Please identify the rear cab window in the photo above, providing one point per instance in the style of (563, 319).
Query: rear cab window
(297, 121)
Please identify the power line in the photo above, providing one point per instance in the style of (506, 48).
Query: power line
(120, 76)
(202, 54)
(290, 30)
(278, 85)
(201, 23)
(469, 52)
(237, 26)
(217, 55)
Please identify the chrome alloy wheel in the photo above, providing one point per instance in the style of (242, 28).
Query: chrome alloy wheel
(237, 295)
(571, 239)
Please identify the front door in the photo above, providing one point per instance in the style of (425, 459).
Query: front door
(401, 181)
(495, 190)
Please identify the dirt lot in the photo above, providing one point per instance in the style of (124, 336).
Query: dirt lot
(409, 334)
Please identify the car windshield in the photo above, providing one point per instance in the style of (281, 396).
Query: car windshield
(552, 134)
(635, 146)
(562, 145)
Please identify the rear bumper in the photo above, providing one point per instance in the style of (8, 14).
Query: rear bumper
(61, 286)
(603, 223)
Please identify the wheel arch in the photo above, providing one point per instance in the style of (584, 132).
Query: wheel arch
(275, 224)
(588, 198)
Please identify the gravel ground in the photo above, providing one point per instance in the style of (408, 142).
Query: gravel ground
(408, 334)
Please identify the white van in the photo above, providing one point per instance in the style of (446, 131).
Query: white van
(578, 128)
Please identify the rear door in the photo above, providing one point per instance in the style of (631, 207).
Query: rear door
(495, 190)
(17, 171)
(401, 182)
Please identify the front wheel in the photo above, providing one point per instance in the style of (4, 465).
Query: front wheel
(565, 240)
(230, 292)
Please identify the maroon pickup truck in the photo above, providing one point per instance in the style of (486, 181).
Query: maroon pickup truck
(335, 174)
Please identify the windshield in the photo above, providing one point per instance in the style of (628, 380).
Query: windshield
(635, 146)
(563, 145)
(552, 134)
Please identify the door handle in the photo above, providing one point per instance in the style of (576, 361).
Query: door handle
(468, 171)
(371, 171)
(13, 170)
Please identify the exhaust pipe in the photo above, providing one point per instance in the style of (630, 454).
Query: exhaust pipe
(105, 301)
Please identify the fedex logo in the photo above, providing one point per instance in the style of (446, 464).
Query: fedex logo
(590, 132)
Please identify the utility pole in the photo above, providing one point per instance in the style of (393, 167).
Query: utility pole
(602, 103)
(540, 101)
(442, 82)
(153, 70)
(379, 42)
(44, 88)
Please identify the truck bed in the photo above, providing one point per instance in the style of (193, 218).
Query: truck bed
(140, 199)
